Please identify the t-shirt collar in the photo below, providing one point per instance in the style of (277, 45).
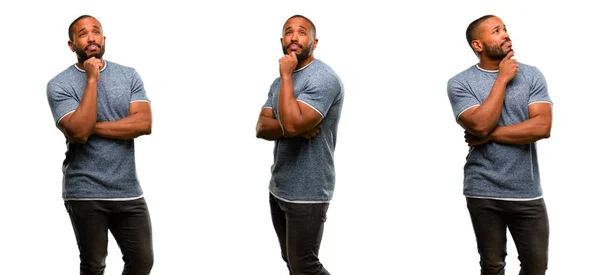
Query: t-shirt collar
(484, 70)
(83, 71)
(304, 66)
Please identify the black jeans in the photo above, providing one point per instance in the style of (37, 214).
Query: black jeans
(299, 228)
(129, 223)
(529, 228)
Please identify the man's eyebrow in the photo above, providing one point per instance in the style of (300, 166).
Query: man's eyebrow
(289, 27)
(83, 29)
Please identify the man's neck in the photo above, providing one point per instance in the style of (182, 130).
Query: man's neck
(488, 64)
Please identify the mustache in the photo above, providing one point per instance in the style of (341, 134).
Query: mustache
(94, 44)
(299, 46)
(507, 40)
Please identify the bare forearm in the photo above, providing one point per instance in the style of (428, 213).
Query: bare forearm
(80, 123)
(526, 132)
(127, 128)
(290, 114)
(485, 118)
(268, 128)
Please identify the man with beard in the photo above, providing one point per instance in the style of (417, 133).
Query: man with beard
(100, 107)
(504, 108)
(301, 115)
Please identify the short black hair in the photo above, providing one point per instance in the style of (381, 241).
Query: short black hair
(71, 36)
(472, 28)
(312, 25)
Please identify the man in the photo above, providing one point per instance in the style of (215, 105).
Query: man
(504, 108)
(301, 115)
(100, 107)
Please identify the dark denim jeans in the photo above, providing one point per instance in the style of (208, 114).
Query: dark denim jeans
(129, 223)
(299, 228)
(529, 228)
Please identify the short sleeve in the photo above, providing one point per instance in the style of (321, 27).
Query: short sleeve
(460, 97)
(62, 102)
(138, 93)
(321, 93)
(269, 102)
(539, 88)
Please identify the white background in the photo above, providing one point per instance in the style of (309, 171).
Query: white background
(398, 206)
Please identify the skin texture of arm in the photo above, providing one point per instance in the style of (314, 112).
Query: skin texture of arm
(481, 120)
(139, 122)
(537, 127)
(296, 117)
(267, 127)
(78, 125)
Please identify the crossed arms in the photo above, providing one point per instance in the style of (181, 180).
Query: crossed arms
(296, 118)
(79, 125)
(301, 120)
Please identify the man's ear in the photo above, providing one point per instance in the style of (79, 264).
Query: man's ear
(477, 46)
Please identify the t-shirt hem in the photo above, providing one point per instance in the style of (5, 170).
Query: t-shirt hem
(105, 199)
(300, 200)
(458, 116)
(312, 107)
(503, 198)
(58, 121)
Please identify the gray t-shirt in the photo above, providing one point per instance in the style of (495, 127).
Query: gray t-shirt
(303, 170)
(496, 170)
(102, 168)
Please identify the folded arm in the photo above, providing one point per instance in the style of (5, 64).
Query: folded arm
(267, 126)
(139, 122)
(481, 120)
(78, 125)
(537, 127)
(296, 117)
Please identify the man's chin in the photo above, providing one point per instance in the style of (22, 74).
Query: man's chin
(98, 56)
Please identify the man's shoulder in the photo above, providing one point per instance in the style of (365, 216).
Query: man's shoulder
(528, 69)
(320, 72)
(64, 74)
(465, 74)
(118, 67)
(319, 65)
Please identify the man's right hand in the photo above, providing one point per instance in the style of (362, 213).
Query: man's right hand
(508, 67)
(92, 67)
(312, 132)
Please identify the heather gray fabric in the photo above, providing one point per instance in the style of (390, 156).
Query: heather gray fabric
(493, 169)
(303, 169)
(102, 168)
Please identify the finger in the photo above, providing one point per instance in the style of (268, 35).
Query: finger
(293, 55)
(509, 55)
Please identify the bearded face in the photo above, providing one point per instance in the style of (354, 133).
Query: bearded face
(302, 53)
(497, 52)
(86, 53)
